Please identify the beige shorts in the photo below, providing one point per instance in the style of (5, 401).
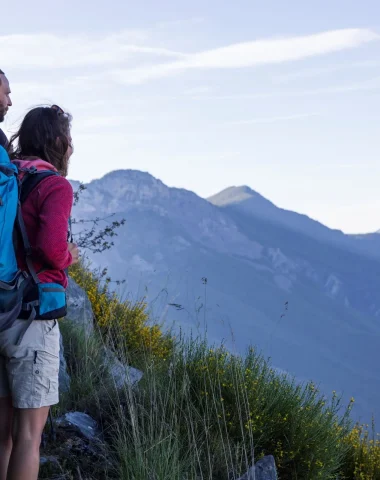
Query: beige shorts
(29, 371)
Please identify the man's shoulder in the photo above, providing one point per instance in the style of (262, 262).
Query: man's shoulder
(3, 139)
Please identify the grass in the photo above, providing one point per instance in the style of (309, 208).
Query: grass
(216, 411)
(202, 413)
(89, 374)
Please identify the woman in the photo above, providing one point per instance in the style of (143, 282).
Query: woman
(29, 368)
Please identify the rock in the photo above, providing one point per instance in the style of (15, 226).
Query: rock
(79, 310)
(64, 377)
(81, 423)
(49, 467)
(79, 313)
(250, 475)
(58, 476)
(49, 459)
(265, 469)
(78, 451)
(122, 375)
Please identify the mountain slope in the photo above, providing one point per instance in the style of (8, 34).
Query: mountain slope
(246, 200)
(253, 203)
(309, 303)
(369, 242)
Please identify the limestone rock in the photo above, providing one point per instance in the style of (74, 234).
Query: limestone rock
(122, 374)
(79, 310)
(265, 469)
(80, 423)
(49, 459)
(64, 377)
(79, 451)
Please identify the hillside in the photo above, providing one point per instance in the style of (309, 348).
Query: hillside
(300, 292)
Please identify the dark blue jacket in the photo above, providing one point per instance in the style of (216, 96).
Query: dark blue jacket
(3, 139)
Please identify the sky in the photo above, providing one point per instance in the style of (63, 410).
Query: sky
(282, 96)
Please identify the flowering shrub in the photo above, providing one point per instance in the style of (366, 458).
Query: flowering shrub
(124, 322)
(223, 408)
(243, 406)
(362, 461)
(249, 404)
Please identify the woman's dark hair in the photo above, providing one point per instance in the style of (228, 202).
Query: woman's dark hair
(44, 133)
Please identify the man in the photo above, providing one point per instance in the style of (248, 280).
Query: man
(5, 103)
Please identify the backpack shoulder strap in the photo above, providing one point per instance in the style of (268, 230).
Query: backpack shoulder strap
(28, 184)
(31, 181)
(27, 247)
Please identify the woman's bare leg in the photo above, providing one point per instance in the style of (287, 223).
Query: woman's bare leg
(6, 419)
(25, 458)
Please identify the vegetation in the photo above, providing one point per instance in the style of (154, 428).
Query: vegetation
(125, 324)
(201, 412)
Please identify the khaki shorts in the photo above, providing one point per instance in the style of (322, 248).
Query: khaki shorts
(29, 371)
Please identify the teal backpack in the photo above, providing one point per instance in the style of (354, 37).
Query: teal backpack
(22, 295)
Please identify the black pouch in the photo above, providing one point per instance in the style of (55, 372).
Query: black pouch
(11, 300)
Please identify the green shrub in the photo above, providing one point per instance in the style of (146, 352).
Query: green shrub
(126, 323)
(203, 412)
(222, 408)
(362, 461)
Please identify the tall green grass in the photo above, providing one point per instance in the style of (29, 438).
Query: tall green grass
(215, 413)
(201, 412)
(204, 413)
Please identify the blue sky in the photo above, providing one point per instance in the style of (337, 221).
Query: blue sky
(281, 96)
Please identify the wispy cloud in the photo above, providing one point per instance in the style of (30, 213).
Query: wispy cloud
(123, 52)
(250, 54)
(53, 51)
(316, 72)
(285, 118)
(368, 85)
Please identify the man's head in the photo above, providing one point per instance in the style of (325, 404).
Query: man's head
(5, 99)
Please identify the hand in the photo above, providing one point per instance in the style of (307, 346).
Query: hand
(74, 250)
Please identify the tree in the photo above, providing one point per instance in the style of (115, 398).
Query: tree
(95, 238)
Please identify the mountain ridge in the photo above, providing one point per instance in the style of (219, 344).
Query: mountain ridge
(173, 239)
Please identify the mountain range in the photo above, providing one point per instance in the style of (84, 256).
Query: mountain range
(248, 272)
